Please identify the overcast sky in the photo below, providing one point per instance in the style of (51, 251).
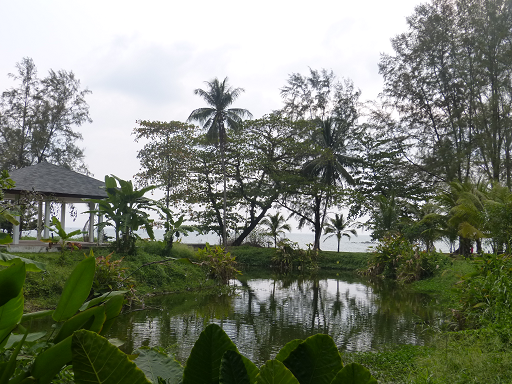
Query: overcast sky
(143, 59)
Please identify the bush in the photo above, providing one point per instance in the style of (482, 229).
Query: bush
(110, 275)
(221, 265)
(486, 296)
(396, 258)
(288, 254)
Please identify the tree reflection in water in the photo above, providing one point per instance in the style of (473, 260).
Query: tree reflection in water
(266, 313)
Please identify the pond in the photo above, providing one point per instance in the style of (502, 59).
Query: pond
(265, 312)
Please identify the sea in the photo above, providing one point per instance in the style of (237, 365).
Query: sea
(360, 243)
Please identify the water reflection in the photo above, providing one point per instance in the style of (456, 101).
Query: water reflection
(266, 313)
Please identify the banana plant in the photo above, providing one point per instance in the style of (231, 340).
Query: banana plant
(126, 209)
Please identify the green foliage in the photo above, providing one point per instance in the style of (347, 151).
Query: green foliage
(56, 227)
(486, 296)
(289, 254)
(276, 225)
(126, 210)
(110, 275)
(221, 265)
(396, 258)
(71, 315)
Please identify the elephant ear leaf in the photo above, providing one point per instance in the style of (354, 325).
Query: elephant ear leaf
(11, 281)
(275, 372)
(287, 349)
(315, 360)
(159, 367)
(354, 374)
(203, 364)
(95, 360)
(232, 369)
(76, 289)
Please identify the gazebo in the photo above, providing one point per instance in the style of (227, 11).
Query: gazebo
(54, 183)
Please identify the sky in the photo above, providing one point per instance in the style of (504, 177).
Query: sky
(143, 60)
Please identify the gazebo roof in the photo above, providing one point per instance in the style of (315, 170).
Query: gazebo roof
(52, 180)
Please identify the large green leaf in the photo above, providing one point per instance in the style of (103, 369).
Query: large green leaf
(36, 315)
(11, 312)
(354, 374)
(76, 289)
(92, 319)
(155, 364)
(251, 368)
(95, 360)
(48, 363)
(11, 281)
(100, 299)
(203, 364)
(7, 370)
(315, 360)
(287, 349)
(275, 372)
(232, 369)
(15, 338)
(30, 265)
(112, 309)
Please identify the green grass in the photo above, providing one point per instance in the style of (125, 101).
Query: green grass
(478, 356)
(42, 290)
(262, 257)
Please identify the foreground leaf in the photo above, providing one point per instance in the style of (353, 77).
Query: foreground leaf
(92, 319)
(232, 369)
(11, 312)
(275, 372)
(7, 259)
(48, 363)
(155, 364)
(203, 364)
(287, 349)
(316, 360)
(354, 374)
(76, 290)
(11, 281)
(95, 360)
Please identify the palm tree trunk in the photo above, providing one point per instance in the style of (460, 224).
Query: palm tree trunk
(224, 202)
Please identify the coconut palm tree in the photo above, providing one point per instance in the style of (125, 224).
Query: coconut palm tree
(276, 225)
(339, 227)
(329, 167)
(215, 118)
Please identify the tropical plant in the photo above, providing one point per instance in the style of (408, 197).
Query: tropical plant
(276, 225)
(64, 237)
(325, 170)
(221, 265)
(338, 227)
(72, 313)
(289, 254)
(173, 228)
(126, 209)
(6, 207)
(219, 96)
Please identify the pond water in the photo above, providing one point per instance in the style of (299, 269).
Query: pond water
(265, 312)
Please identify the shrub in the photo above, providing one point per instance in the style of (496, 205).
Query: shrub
(396, 258)
(289, 253)
(221, 265)
(110, 275)
(486, 296)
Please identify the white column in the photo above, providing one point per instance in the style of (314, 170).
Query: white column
(46, 233)
(92, 206)
(63, 215)
(100, 234)
(16, 228)
(39, 218)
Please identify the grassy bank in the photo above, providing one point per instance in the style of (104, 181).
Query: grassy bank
(262, 257)
(42, 290)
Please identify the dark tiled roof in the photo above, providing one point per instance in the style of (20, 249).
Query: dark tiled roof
(51, 179)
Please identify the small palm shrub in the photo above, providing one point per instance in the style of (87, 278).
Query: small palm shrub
(220, 264)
